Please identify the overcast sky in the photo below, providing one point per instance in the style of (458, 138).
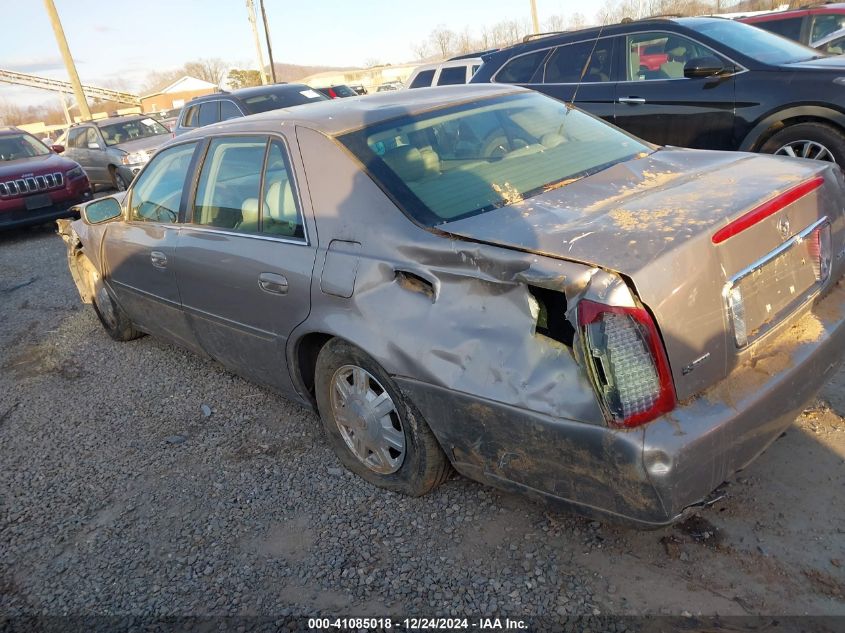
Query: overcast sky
(122, 40)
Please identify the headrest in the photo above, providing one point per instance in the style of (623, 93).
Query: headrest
(410, 163)
(675, 47)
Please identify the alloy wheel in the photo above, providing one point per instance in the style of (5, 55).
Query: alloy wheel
(806, 149)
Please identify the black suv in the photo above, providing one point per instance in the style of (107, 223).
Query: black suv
(707, 83)
(222, 106)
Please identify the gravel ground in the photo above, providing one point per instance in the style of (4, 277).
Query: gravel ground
(138, 479)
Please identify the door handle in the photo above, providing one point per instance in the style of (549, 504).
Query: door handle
(158, 259)
(631, 100)
(273, 283)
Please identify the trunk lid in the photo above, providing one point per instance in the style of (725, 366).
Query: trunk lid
(653, 221)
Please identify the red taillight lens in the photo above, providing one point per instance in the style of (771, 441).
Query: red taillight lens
(332, 93)
(627, 362)
(766, 209)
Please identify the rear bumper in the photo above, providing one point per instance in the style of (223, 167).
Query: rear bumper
(648, 475)
(14, 214)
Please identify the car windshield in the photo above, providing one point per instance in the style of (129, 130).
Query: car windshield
(131, 130)
(15, 146)
(285, 99)
(454, 163)
(756, 43)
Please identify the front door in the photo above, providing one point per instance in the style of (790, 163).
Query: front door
(244, 262)
(139, 252)
(657, 103)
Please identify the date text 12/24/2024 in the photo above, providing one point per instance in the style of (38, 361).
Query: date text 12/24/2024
(413, 624)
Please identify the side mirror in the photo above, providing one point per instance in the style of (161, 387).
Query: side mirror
(101, 210)
(58, 148)
(699, 67)
(93, 146)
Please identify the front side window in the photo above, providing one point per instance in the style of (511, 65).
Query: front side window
(228, 110)
(661, 55)
(76, 138)
(92, 139)
(157, 192)
(587, 62)
(14, 146)
(452, 76)
(825, 24)
(423, 79)
(132, 130)
(450, 164)
(521, 70)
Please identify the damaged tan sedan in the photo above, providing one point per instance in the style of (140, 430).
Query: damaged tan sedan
(483, 278)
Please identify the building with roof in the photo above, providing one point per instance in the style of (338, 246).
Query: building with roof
(177, 94)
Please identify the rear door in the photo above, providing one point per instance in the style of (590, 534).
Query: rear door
(657, 103)
(140, 251)
(581, 73)
(245, 260)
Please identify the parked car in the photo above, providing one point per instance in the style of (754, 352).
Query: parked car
(36, 185)
(113, 150)
(448, 73)
(807, 25)
(390, 85)
(338, 91)
(359, 89)
(223, 106)
(724, 84)
(833, 44)
(549, 304)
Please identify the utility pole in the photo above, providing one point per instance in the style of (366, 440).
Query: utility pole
(68, 58)
(535, 22)
(267, 35)
(250, 7)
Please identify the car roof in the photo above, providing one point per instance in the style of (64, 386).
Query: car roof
(10, 129)
(336, 116)
(448, 63)
(833, 7)
(243, 93)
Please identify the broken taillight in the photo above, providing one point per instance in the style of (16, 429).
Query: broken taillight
(626, 362)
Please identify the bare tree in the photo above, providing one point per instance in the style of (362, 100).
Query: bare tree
(443, 39)
(555, 22)
(12, 113)
(577, 21)
(212, 70)
(420, 49)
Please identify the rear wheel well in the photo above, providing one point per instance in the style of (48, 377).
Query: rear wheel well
(780, 125)
(307, 351)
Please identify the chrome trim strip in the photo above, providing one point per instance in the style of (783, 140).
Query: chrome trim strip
(255, 236)
(759, 264)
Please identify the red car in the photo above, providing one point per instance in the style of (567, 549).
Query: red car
(36, 184)
(808, 25)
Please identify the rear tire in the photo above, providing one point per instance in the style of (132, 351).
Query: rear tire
(389, 443)
(808, 140)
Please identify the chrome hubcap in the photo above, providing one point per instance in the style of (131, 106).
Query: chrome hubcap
(367, 419)
(806, 149)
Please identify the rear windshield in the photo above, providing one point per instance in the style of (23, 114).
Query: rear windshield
(15, 146)
(344, 91)
(755, 43)
(454, 163)
(131, 130)
(284, 99)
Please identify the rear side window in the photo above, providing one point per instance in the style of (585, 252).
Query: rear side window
(157, 192)
(790, 28)
(230, 184)
(521, 70)
(209, 113)
(191, 117)
(228, 110)
(423, 79)
(825, 24)
(280, 214)
(587, 62)
(452, 76)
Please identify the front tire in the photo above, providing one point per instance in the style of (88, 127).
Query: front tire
(373, 429)
(118, 181)
(818, 141)
(112, 317)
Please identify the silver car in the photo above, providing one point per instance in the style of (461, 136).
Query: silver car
(112, 151)
(481, 277)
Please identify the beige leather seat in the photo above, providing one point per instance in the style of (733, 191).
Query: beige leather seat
(281, 216)
(412, 164)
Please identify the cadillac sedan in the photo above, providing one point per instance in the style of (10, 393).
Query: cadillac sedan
(484, 278)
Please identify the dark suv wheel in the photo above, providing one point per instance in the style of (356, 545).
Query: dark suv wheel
(818, 141)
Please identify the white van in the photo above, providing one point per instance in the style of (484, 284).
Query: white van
(450, 72)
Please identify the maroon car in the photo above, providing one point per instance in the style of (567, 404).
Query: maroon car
(36, 184)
